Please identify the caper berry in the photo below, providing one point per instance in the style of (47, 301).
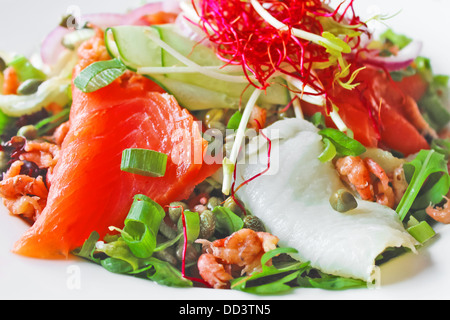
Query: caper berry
(29, 132)
(213, 115)
(207, 224)
(167, 230)
(231, 204)
(213, 202)
(343, 201)
(191, 252)
(175, 210)
(166, 255)
(254, 223)
(29, 86)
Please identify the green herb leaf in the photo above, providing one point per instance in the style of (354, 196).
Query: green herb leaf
(235, 119)
(99, 74)
(163, 273)
(399, 40)
(227, 221)
(87, 250)
(343, 144)
(420, 168)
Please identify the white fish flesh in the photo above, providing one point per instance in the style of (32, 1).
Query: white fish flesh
(292, 199)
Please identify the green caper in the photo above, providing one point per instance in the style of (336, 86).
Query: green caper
(2, 64)
(192, 253)
(207, 224)
(175, 210)
(29, 132)
(167, 230)
(213, 202)
(213, 115)
(254, 223)
(29, 86)
(231, 204)
(343, 201)
(166, 255)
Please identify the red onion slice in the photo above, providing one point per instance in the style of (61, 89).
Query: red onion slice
(402, 60)
(51, 47)
(134, 17)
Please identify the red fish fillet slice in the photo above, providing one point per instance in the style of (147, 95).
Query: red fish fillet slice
(89, 191)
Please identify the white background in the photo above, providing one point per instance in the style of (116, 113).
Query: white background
(24, 23)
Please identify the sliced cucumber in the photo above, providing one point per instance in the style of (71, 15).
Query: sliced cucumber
(194, 91)
(133, 46)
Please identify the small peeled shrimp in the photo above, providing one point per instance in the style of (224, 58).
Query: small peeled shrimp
(242, 249)
(22, 194)
(212, 271)
(441, 215)
(355, 172)
(383, 191)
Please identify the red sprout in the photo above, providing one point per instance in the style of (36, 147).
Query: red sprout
(241, 36)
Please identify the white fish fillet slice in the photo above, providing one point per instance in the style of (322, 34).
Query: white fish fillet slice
(292, 199)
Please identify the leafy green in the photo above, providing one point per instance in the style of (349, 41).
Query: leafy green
(227, 221)
(426, 163)
(343, 143)
(282, 277)
(329, 282)
(163, 273)
(235, 119)
(399, 40)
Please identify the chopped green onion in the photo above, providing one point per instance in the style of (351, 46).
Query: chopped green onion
(142, 225)
(99, 74)
(343, 143)
(144, 162)
(421, 231)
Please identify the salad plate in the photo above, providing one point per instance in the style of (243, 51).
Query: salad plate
(425, 275)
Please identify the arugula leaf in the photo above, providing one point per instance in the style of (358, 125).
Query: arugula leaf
(163, 273)
(420, 168)
(270, 279)
(330, 282)
(343, 143)
(87, 250)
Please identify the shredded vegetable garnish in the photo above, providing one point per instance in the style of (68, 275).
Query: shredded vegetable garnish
(287, 37)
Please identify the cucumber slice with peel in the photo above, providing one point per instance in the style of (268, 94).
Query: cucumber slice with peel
(194, 91)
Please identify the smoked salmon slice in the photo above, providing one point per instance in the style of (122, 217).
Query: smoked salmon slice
(88, 191)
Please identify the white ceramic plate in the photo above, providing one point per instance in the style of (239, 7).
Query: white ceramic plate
(23, 25)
